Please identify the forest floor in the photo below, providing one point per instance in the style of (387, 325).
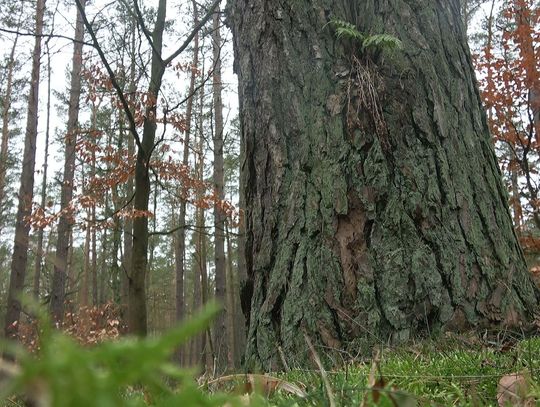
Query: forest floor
(454, 371)
(480, 369)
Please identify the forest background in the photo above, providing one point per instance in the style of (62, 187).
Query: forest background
(195, 211)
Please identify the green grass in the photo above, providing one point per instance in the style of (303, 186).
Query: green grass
(447, 373)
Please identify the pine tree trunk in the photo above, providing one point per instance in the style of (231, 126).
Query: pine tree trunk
(104, 271)
(208, 345)
(223, 351)
(231, 314)
(40, 233)
(180, 248)
(127, 239)
(84, 302)
(196, 342)
(206, 341)
(6, 111)
(93, 226)
(375, 209)
(26, 191)
(58, 293)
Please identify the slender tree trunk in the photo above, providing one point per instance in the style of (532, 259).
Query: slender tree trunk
(152, 243)
(93, 215)
(39, 251)
(223, 351)
(70, 269)
(197, 341)
(200, 284)
(95, 293)
(103, 271)
(137, 318)
(516, 196)
(209, 350)
(375, 209)
(207, 343)
(128, 248)
(128, 222)
(180, 248)
(84, 302)
(231, 314)
(58, 293)
(26, 190)
(6, 110)
(527, 46)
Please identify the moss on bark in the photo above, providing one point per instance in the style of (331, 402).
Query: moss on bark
(354, 234)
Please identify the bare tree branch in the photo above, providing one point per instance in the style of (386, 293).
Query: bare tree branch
(112, 76)
(190, 37)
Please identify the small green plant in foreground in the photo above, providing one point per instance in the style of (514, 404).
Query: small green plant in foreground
(128, 372)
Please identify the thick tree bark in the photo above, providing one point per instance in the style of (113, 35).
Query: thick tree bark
(244, 286)
(58, 292)
(374, 204)
(19, 259)
(224, 352)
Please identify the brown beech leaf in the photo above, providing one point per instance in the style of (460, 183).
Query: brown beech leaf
(263, 384)
(513, 390)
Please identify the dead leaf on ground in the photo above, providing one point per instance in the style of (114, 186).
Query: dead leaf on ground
(267, 385)
(513, 390)
(377, 384)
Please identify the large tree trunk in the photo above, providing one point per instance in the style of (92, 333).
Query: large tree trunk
(374, 204)
(58, 293)
(19, 259)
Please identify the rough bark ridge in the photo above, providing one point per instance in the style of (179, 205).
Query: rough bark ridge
(361, 228)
